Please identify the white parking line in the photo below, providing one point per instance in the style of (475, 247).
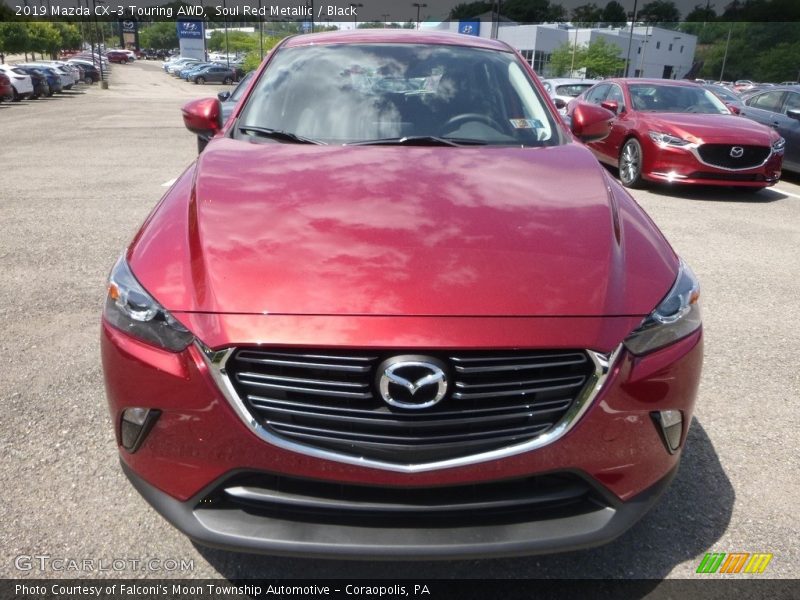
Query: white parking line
(782, 191)
(170, 182)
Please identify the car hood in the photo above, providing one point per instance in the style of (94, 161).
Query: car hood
(267, 228)
(712, 129)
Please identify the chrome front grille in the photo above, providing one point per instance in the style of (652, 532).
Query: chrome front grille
(329, 400)
(719, 155)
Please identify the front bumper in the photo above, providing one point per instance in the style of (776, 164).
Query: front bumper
(683, 166)
(199, 441)
(239, 529)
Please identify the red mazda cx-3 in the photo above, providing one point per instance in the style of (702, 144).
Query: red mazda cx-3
(396, 309)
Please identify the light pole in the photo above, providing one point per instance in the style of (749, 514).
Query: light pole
(419, 5)
(725, 57)
(103, 82)
(385, 19)
(355, 8)
(574, 48)
(225, 24)
(645, 44)
(630, 39)
(260, 30)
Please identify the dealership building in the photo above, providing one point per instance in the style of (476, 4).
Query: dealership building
(655, 52)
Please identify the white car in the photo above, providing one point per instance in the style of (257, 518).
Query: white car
(180, 64)
(21, 82)
(564, 90)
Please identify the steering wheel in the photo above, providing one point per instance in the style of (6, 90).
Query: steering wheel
(690, 109)
(458, 120)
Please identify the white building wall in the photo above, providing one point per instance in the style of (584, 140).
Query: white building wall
(662, 52)
(655, 52)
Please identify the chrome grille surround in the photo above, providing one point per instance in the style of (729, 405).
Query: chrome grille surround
(696, 149)
(217, 361)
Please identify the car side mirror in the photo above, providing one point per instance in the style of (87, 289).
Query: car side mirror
(203, 117)
(223, 96)
(793, 114)
(733, 108)
(560, 104)
(590, 123)
(610, 105)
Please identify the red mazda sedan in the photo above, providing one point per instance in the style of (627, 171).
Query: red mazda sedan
(679, 132)
(372, 321)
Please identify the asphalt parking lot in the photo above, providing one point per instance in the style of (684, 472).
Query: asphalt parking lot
(79, 174)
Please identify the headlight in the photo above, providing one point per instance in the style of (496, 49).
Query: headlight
(665, 139)
(778, 145)
(132, 310)
(675, 317)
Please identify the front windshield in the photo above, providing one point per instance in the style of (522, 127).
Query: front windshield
(648, 97)
(356, 93)
(573, 89)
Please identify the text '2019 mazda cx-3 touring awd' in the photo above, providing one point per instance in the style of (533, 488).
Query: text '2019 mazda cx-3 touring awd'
(396, 309)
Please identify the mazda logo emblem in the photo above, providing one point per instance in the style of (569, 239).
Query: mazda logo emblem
(412, 382)
(737, 152)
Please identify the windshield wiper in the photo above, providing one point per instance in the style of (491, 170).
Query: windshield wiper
(409, 140)
(277, 134)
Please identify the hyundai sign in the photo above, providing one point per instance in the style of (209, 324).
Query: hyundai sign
(469, 27)
(191, 36)
(190, 30)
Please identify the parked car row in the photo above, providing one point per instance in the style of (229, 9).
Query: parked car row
(691, 133)
(202, 72)
(36, 79)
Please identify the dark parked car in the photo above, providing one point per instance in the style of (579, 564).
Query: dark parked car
(228, 100)
(213, 74)
(41, 85)
(731, 99)
(117, 56)
(678, 132)
(779, 108)
(53, 78)
(184, 72)
(372, 321)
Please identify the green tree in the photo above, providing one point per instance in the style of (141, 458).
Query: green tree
(586, 14)
(238, 41)
(162, 35)
(13, 38)
(556, 12)
(70, 35)
(44, 38)
(6, 14)
(601, 59)
(528, 11)
(468, 10)
(253, 59)
(614, 14)
(661, 12)
(701, 14)
(564, 57)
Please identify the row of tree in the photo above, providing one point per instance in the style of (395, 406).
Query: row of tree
(663, 12)
(42, 37)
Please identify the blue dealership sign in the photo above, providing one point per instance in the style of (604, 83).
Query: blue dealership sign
(469, 27)
(190, 30)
